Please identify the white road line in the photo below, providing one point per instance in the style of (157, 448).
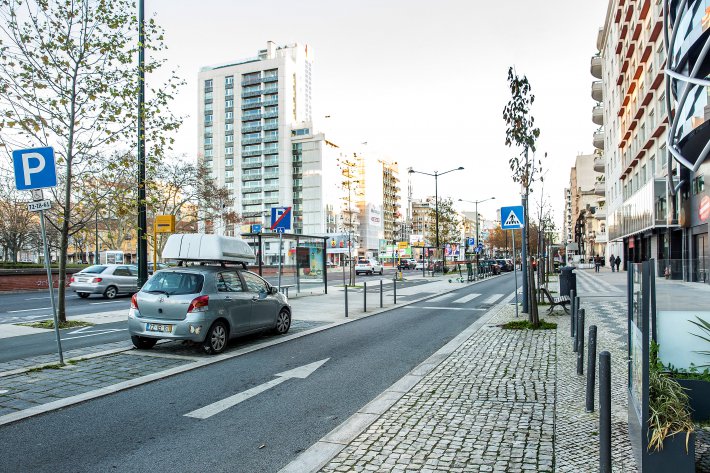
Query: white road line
(36, 298)
(465, 299)
(492, 299)
(28, 310)
(107, 302)
(209, 410)
(440, 298)
(439, 308)
(103, 332)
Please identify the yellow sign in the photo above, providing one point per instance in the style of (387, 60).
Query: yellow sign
(402, 244)
(164, 223)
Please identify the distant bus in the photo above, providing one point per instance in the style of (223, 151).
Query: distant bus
(111, 257)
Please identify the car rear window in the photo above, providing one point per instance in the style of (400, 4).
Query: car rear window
(175, 283)
(96, 269)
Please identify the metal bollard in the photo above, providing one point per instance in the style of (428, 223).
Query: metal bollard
(605, 412)
(346, 301)
(575, 319)
(580, 343)
(591, 367)
(364, 296)
(572, 312)
(381, 302)
(395, 292)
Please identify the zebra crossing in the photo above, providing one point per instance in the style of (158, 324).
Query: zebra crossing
(491, 299)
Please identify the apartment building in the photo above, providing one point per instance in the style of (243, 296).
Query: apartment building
(631, 112)
(248, 113)
(586, 206)
(567, 222)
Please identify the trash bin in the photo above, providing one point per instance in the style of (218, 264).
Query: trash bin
(568, 281)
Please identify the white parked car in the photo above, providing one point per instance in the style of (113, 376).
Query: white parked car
(420, 265)
(368, 266)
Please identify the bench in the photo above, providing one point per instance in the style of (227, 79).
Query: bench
(286, 286)
(555, 301)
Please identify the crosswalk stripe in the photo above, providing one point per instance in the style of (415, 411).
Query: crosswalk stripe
(493, 298)
(465, 299)
(439, 298)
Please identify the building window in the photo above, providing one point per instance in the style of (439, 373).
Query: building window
(229, 80)
(208, 96)
(208, 84)
(300, 132)
(229, 139)
(208, 140)
(208, 164)
(229, 150)
(698, 185)
(208, 130)
(228, 126)
(208, 107)
(229, 103)
(228, 92)
(652, 165)
(228, 115)
(228, 174)
(229, 162)
(662, 152)
(208, 118)
(208, 153)
(661, 106)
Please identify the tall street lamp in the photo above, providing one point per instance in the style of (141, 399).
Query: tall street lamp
(477, 220)
(436, 175)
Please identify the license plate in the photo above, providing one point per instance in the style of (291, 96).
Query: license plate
(158, 328)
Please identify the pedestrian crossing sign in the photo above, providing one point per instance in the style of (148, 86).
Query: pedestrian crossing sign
(512, 217)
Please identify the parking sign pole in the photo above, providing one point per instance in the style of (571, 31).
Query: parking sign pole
(280, 254)
(47, 264)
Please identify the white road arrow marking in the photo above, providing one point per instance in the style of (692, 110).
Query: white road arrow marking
(85, 332)
(301, 372)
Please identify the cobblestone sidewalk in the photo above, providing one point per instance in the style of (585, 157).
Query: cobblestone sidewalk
(487, 407)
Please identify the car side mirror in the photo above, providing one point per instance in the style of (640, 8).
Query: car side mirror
(273, 290)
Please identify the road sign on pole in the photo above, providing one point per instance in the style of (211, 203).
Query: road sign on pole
(35, 169)
(280, 218)
(471, 241)
(512, 217)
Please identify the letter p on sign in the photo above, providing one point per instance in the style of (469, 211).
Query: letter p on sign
(34, 168)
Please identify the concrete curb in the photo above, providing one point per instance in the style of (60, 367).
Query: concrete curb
(328, 447)
(61, 403)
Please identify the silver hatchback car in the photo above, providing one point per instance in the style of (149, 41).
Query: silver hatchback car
(207, 305)
(106, 279)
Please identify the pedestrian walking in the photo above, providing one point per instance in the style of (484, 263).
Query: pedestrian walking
(618, 263)
(597, 263)
(612, 262)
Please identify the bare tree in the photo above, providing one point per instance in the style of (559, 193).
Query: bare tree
(17, 223)
(68, 80)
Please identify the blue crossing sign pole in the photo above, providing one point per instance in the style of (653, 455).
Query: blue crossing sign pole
(513, 218)
(280, 222)
(35, 169)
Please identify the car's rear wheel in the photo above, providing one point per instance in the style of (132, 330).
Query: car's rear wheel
(143, 343)
(216, 339)
(283, 322)
(110, 292)
(83, 295)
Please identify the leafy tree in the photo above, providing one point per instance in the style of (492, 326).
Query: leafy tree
(449, 223)
(522, 134)
(68, 80)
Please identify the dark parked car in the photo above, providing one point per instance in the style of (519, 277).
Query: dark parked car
(407, 264)
(505, 264)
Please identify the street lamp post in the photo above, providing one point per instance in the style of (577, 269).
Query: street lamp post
(477, 220)
(436, 175)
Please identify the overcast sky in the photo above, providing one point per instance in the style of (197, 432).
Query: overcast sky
(421, 82)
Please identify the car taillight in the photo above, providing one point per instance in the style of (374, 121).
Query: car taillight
(199, 304)
(72, 279)
(96, 280)
(134, 301)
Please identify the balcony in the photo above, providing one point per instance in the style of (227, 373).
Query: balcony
(599, 163)
(271, 114)
(251, 189)
(252, 116)
(601, 237)
(255, 104)
(251, 141)
(251, 81)
(271, 187)
(251, 165)
(271, 126)
(273, 78)
(271, 102)
(600, 213)
(271, 175)
(596, 67)
(250, 129)
(600, 188)
(251, 93)
(598, 140)
(251, 201)
(251, 214)
(271, 138)
(271, 200)
(270, 90)
(598, 115)
(597, 91)
(256, 152)
(251, 177)
(271, 150)
(271, 162)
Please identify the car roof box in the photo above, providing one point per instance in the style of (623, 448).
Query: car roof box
(208, 248)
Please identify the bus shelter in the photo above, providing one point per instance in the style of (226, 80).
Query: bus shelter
(293, 263)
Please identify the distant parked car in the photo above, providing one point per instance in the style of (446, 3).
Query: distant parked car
(505, 264)
(489, 266)
(160, 266)
(368, 266)
(109, 280)
(419, 265)
(407, 264)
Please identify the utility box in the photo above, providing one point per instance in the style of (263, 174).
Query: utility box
(568, 281)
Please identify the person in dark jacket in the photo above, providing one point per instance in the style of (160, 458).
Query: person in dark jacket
(612, 262)
(618, 263)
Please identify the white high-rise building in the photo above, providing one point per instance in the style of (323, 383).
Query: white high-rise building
(248, 113)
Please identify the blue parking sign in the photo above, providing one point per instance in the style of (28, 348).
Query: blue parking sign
(34, 168)
(471, 241)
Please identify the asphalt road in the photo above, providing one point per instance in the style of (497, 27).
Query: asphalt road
(36, 305)
(15, 348)
(146, 429)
